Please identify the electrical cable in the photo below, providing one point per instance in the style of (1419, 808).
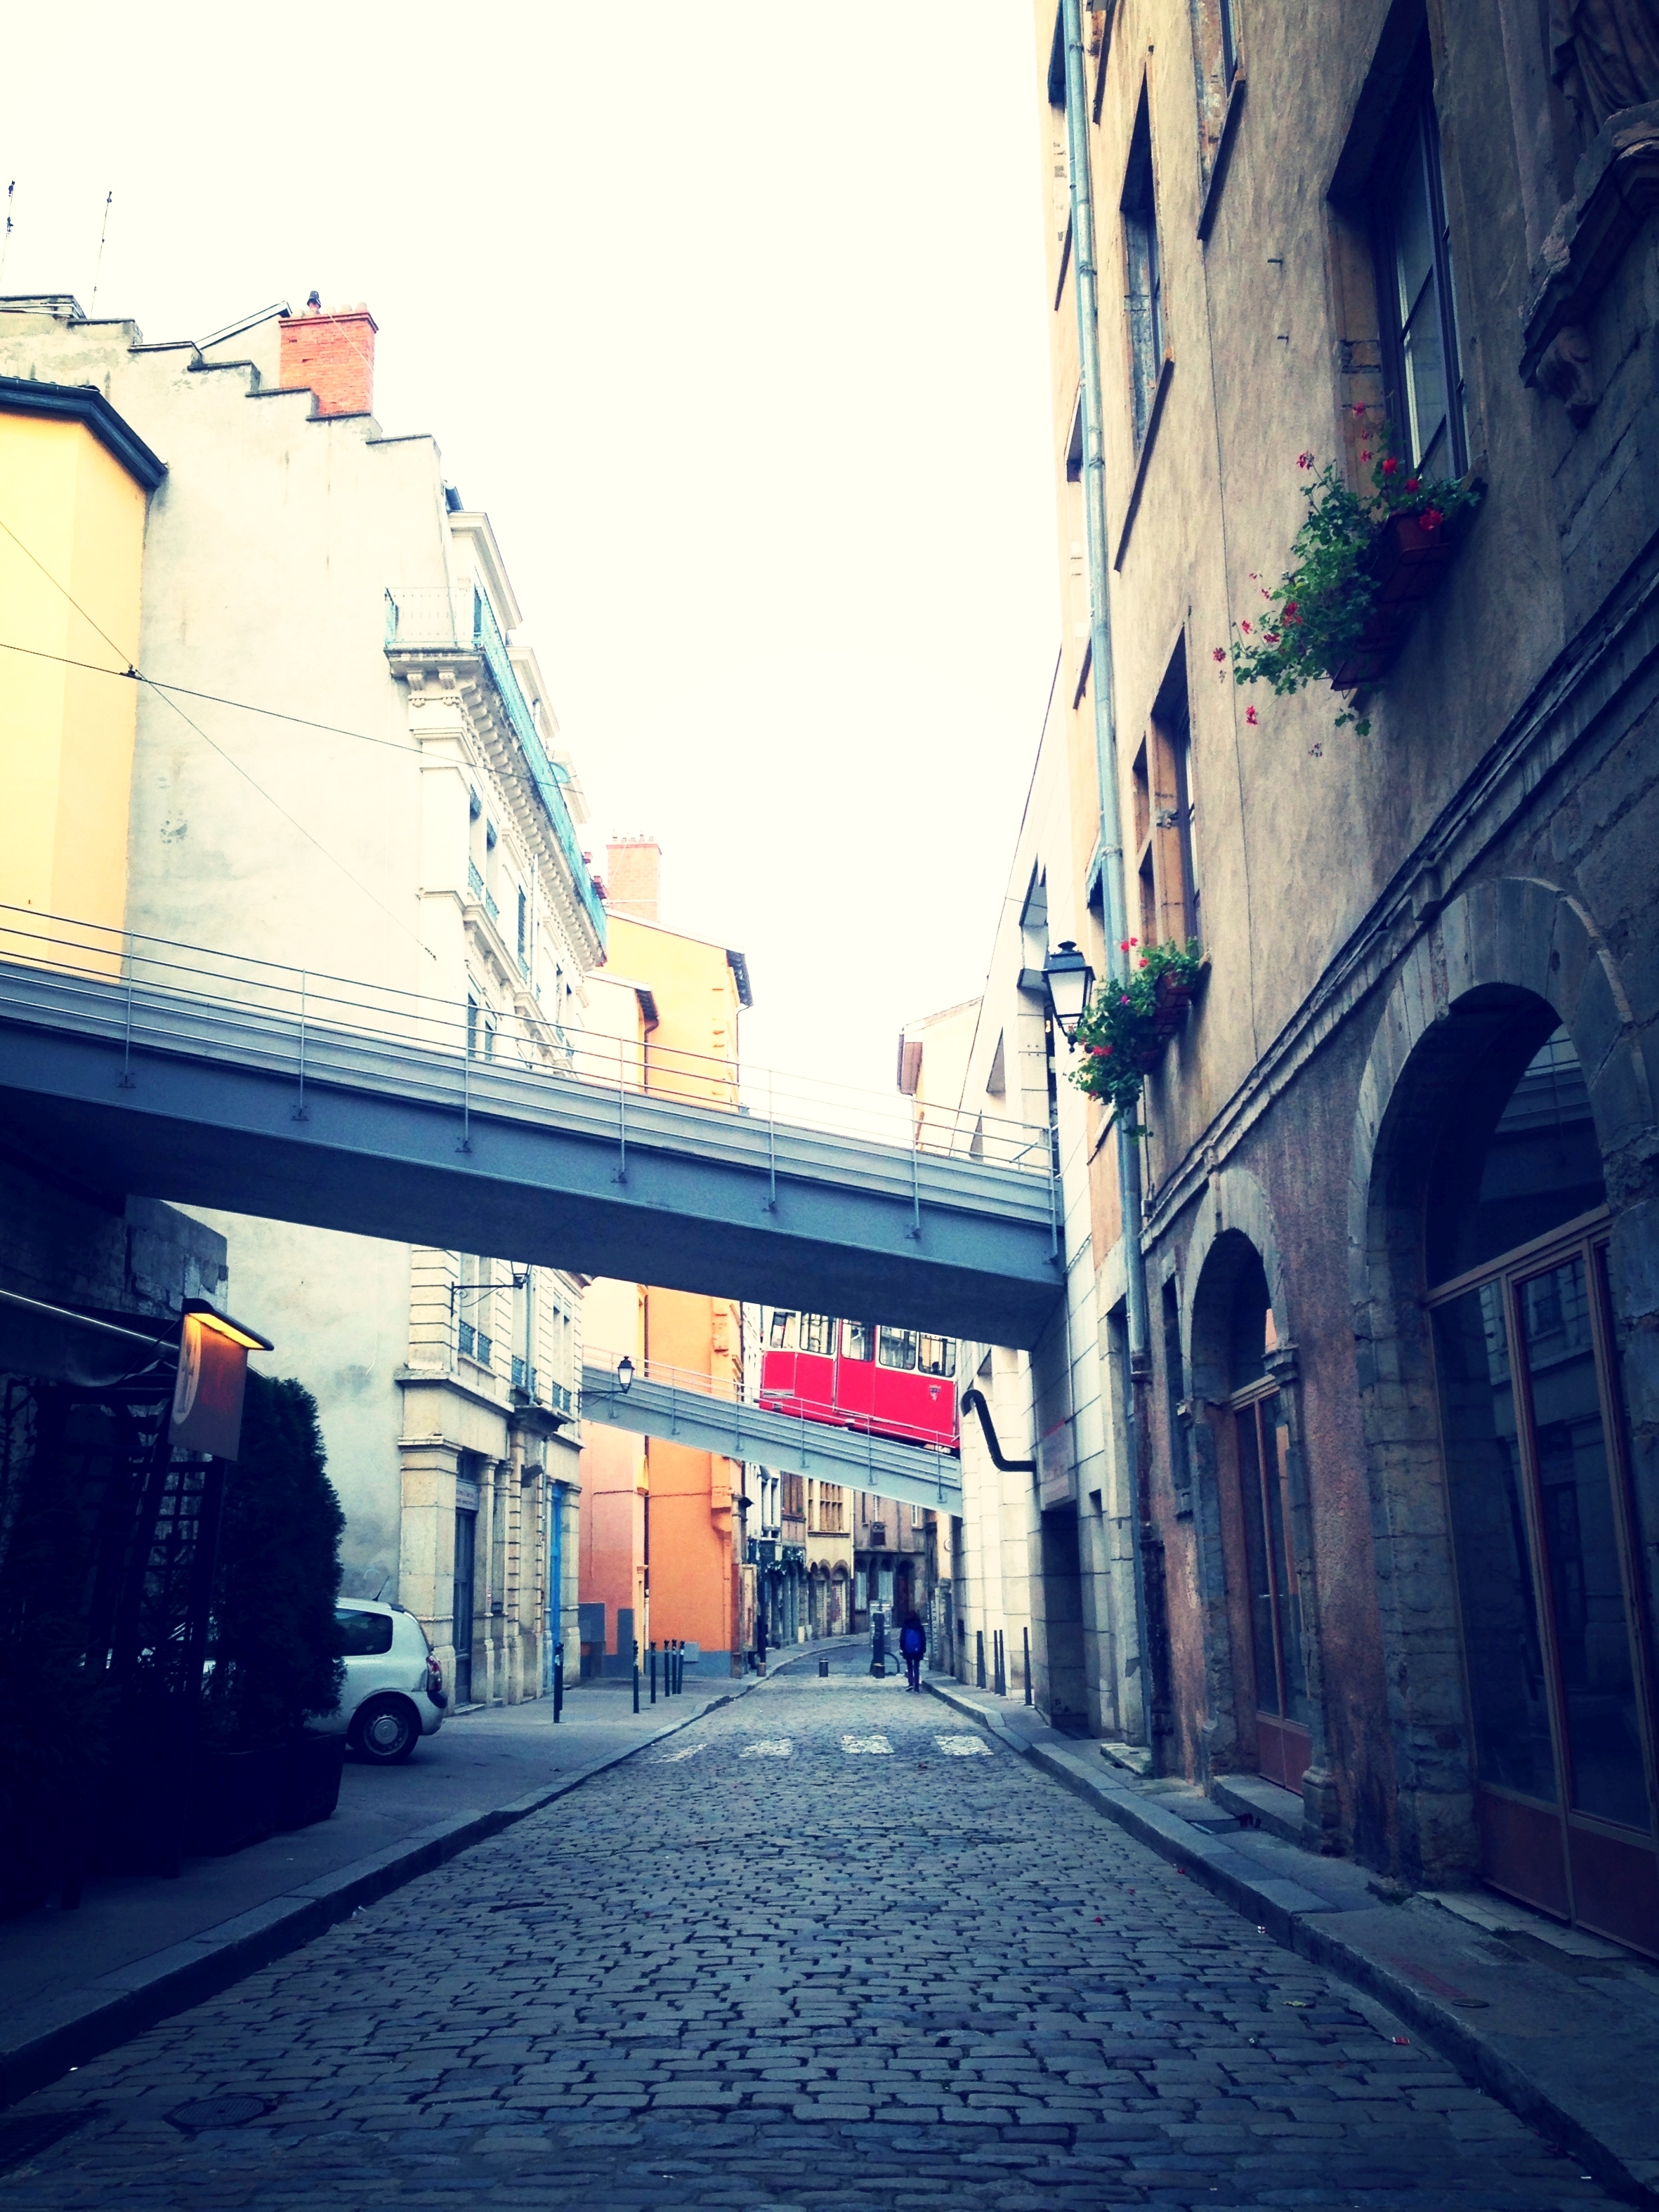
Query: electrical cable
(138, 676)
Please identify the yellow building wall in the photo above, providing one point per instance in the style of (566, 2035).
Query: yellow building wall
(691, 1053)
(67, 733)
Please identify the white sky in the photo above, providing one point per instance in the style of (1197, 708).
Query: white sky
(732, 318)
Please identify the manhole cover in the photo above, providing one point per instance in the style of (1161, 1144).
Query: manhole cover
(229, 2112)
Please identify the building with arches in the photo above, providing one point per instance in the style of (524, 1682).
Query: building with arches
(1382, 1443)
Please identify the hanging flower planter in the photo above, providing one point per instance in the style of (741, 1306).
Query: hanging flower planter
(1360, 567)
(1131, 1019)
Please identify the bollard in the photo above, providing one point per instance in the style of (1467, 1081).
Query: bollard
(636, 1675)
(824, 1667)
(997, 1682)
(558, 1682)
(979, 1657)
(1025, 1636)
(654, 1670)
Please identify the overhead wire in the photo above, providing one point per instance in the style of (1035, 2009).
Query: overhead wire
(138, 675)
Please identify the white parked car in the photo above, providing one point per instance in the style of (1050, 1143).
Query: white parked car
(393, 1693)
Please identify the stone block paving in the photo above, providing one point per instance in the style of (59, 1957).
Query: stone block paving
(843, 1982)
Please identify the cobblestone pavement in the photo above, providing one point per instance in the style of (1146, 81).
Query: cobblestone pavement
(855, 1970)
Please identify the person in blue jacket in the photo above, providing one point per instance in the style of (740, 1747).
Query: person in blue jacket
(913, 1642)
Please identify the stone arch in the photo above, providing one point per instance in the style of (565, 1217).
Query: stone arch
(1234, 1233)
(1504, 947)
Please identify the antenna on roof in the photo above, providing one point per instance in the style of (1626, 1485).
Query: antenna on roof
(109, 201)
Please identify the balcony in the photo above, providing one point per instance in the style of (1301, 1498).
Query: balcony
(524, 1376)
(475, 1345)
(434, 618)
(562, 1397)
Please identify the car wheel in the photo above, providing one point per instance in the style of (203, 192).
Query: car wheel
(386, 1731)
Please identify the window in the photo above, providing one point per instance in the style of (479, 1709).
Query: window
(1164, 818)
(474, 1301)
(794, 1496)
(856, 1341)
(915, 1516)
(1144, 283)
(1215, 54)
(1174, 1393)
(363, 1635)
(897, 1348)
(937, 1355)
(1417, 315)
(781, 1334)
(817, 1333)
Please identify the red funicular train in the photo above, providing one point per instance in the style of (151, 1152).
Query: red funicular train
(895, 1383)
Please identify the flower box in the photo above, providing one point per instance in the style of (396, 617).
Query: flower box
(1408, 558)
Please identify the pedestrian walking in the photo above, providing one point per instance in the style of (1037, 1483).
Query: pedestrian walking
(913, 1642)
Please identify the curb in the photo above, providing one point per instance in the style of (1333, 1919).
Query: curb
(77, 2024)
(1308, 1926)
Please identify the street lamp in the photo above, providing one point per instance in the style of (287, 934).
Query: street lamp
(1069, 978)
(624, 1374)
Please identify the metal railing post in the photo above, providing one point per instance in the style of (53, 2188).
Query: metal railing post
(915, 1180)
(771, 1147)
(622, 1115)
(299, 1113)
(126, 1082)
(465, 1144)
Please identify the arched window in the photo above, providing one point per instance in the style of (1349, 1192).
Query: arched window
(1547, 1548)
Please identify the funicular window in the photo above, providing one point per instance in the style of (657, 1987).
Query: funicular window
(781, 1337)
(817, 1333)
(897, 1348)
(937, 1355)
(856, 1341)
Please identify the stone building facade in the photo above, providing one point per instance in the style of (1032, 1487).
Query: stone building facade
(1390, 1431)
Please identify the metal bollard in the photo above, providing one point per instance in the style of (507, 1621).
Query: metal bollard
(998, 1683)
(654, 1671)
(558, 1682)
(979, 1657)
(823, 1668)
(1025, 1635)
(636, 1675)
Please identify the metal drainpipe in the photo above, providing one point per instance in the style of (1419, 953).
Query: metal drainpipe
(1085, 282)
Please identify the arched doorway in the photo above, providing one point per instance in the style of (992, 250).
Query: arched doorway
(1234, 1338)
(1546, 1544)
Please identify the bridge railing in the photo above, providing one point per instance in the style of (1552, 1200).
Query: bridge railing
(146, 992)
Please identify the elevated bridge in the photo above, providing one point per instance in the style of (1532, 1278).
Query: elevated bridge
(691, 1409)
(130, 1064)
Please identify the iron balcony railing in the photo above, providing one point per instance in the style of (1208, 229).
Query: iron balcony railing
(524, 1376)
(458, 620)
(476, 1345)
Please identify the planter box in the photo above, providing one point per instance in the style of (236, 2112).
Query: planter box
(1409, 562)
(310, 1780)
(234, 1799)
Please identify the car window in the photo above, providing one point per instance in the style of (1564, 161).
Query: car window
(363, 1634)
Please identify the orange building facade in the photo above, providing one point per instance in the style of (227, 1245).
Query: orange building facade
(661, 1534)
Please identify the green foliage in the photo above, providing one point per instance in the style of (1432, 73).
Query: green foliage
(1318, 611)
(276, 1643)
(1132, 1017)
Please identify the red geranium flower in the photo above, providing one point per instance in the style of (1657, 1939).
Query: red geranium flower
(1390, 466)
(1249, 714)
(1304, 460)
(1433, 518)
(1244, 625)
(1290, 614)
(1413, 482)
(1217, 653)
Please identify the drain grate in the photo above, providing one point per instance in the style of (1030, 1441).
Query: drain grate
(23, 2139)
(233, 2110)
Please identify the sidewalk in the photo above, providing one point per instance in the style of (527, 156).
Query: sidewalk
(1563, 2027)
(139, 1946)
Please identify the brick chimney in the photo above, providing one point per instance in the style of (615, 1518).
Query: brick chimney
(633, 877)
(333, 355)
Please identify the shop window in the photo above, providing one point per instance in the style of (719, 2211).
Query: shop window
(1547, 1532)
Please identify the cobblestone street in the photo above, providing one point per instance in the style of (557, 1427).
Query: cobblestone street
(830, 1948)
